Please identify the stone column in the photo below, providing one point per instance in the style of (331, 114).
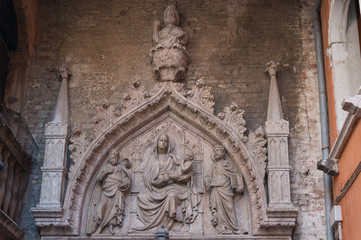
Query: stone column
(3, 175)
(54, 168)
(277, 131)
(1, 158)
(8, 185)
(14, 192)
(23, 178)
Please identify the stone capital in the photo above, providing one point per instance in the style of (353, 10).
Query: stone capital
(64, 72)
(56, 129)
(277, 128)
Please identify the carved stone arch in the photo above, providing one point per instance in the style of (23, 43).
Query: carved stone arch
(338, 21)
(170, 195)
(343, 51)
(168, 98)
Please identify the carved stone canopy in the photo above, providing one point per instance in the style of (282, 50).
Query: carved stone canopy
(167, 160)
(186, 117)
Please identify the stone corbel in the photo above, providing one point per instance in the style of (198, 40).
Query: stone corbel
(329, 166)
(353, 106)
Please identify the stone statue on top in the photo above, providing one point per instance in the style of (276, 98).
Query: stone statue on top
(169, 55)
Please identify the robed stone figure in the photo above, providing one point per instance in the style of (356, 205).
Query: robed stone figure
(115, 180)
(172, 197)
(223, 183)
(169, 54)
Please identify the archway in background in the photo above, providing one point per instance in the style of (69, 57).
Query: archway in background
(344, 52)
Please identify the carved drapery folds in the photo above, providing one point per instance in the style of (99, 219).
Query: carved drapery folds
(172, 199)
(167, 186)
(223, 183)
(169, 55)
(115, 180)
(193, 132)
(166, 159)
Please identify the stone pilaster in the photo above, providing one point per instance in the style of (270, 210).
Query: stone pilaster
(277, 130)
(54, 168)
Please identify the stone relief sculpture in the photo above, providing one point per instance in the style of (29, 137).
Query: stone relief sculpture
(115, 180)
(169, 163)
(172, 197)
(223, 183)
(169, 54)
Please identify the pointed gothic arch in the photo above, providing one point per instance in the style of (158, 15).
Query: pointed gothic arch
(167, 100)
(191, 110)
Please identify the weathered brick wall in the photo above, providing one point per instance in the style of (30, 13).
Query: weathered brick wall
(106, 45)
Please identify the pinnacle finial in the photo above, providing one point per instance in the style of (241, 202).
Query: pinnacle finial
(61, 109)
(272, 68)
(64, 72)
(274, 112)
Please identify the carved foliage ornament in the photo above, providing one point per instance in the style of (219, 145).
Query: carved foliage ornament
(233, 117)
(136, 95)
(256, 143)
(78, 145)
(200, 95)
(166, 93)
(105, 116)
(171, 192)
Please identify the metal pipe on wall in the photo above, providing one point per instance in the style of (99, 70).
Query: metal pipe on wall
(327, 180)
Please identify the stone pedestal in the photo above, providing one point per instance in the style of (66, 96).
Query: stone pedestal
(278, 164)
(54, 166)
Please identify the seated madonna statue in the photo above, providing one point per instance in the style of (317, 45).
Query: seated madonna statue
(172, 197)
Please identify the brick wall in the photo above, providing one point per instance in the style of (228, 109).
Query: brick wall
(106, 45)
